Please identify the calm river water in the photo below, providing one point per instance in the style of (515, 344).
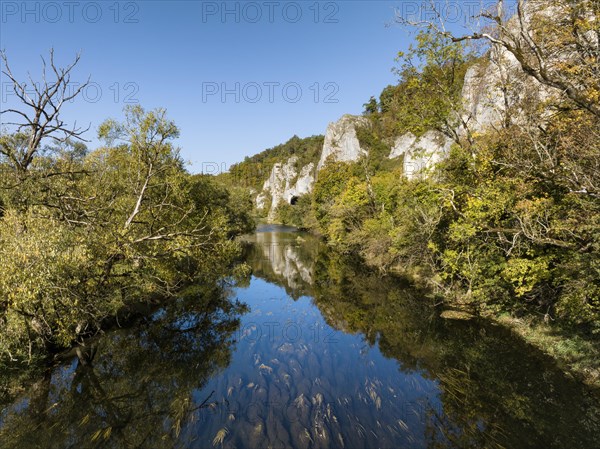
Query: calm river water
(311, 351)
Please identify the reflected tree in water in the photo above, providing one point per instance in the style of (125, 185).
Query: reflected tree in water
(137, 388)
(496, 391)
(456, 384)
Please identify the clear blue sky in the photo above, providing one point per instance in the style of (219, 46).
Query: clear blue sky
(181, 54)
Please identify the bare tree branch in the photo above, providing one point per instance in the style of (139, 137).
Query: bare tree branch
(42, 119)
(543, 63)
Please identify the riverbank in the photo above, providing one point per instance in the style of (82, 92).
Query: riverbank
(312, 336)
(575, 355)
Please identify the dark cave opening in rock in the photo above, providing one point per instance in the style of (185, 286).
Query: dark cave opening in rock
(294, 200)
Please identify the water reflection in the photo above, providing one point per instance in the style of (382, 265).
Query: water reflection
(132, 388)
(328, 356)
(285, 257)
(296, 382)
(491, 389)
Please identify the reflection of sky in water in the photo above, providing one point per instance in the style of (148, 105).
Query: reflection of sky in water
(295, 380)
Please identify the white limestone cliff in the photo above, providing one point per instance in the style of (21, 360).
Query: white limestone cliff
(493, 92)
(341, 143)
(420, 154)
(284, 184)
(287, 181)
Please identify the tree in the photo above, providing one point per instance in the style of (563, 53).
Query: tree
(39, 152)
(557, 43)
(371, 107)
(41, 118)
(131, 227)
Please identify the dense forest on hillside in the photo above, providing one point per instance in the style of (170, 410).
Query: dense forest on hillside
(254, 170)
(510, 220)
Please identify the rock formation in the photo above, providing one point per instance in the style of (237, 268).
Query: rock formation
(420, 154)
(288, 182)
(493, 93)
(341, 143)
(284, 184)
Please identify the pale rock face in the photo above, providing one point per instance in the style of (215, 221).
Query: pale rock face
(304, 183)
(261, 201)
(421, 154)
(492, 92)
(341, 142)
(490, 88)
(481, 99)
(284, 184)
(499, 85)
(403, 145)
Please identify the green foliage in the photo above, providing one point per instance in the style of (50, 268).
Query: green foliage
(508, 222)
(146, 376)
(429, 91)
(523, 236)
(299, 215)
(235, 202)
(336, 194)
(254, 170)
(494, 387)
(85, 236)
(376, 147)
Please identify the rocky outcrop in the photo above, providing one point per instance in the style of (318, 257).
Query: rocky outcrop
(341, 143)
(483, 99)
(288, 182)
(491, 90)
(494, 91)
(420, 154)
(285, 184)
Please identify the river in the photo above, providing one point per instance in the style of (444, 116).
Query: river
(310, 351)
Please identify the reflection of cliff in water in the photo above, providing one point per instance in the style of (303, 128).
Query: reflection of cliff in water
(196, 374)
(285, 257)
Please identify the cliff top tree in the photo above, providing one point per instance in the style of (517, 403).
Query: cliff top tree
(557, 42)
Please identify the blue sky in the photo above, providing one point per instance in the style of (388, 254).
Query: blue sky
(182, 55)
